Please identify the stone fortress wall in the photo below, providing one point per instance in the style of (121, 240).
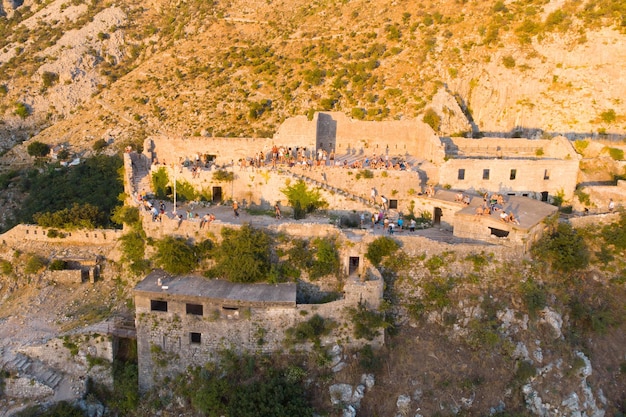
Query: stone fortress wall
(543, 168)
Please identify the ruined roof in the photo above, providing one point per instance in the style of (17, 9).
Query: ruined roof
(217, 289)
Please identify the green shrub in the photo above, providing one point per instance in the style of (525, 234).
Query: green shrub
(608, 116)
(379, 248)
(21, 110)
(223, 176)
(34, 264)
(309, 331)
(508, 61)
(100, 145)
(368, 359)
(563, 248)
(49, 78)
(6, 267)
(534, 296)
(58, 265)
(367, 323)
(185, 191)
(175, 255)
(617, 154)
(364, 173)
(432, 119)
(525, 371)
(580, 146)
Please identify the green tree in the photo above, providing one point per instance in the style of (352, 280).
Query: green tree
(243, 255)
(160, 180)
(96, 182)
(175, 255)
(326, 258)
(38, 149)
(133, 246)
(302, 199)
(85, 216)
(563, 248)
(128, 215)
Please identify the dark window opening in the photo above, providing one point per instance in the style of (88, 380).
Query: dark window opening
(158, 305)
(544, 196)
(485, 174)
(499, 232)
(195, 309)
(461, 174)
(230, 308)
(546, 174)
(525, 195)
(513, 174)
(195, 338)
(510, 193)
(393, 204)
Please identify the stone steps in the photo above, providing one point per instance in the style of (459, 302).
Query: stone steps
(32, 368)
(333, 189)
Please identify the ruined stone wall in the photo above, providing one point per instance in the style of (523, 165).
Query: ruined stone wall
(597, 220)
(531, 176)
(29, 232)
(66, 276)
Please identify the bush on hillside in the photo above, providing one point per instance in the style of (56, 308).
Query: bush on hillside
(564, 249)
(379, 248)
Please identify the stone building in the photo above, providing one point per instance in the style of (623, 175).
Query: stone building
(539, 169)
(188, 320)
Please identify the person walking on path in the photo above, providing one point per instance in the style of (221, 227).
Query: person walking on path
(277, 211)
(236, 208)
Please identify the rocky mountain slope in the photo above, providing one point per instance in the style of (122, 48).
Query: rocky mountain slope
(77, 72)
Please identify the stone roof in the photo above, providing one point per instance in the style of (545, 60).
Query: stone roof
(216, 289)
(528, 211)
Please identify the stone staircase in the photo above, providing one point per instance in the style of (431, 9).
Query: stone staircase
(330, 188)
(141, 174)
(31, 368)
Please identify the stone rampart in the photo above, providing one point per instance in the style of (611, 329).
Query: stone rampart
(29, 232)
